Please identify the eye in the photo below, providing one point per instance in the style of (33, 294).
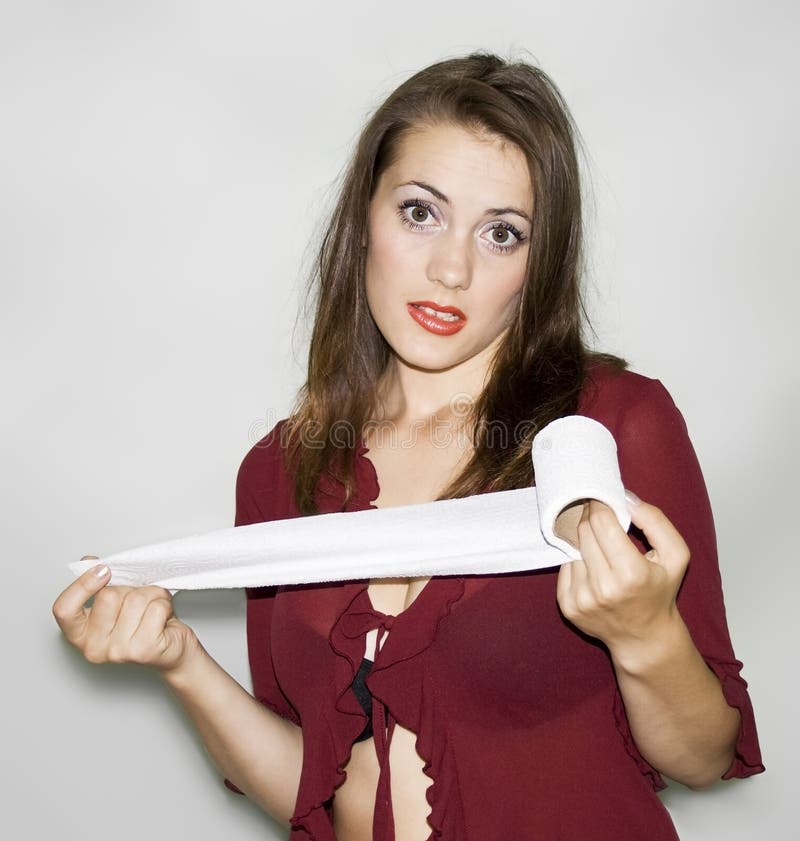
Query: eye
(419, 215)
(503, 236)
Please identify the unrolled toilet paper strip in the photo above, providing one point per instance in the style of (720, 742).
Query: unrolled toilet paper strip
(574, 457)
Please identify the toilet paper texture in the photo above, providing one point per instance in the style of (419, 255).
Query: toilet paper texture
(575, 458)
(508, 531)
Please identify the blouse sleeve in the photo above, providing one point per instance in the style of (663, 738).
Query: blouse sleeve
(258, 487)
(658, 463)
(263, 493)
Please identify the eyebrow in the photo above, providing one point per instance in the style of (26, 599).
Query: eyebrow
(490, 211)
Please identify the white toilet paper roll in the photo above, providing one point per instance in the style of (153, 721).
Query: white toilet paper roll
(510, 531)
(575, 458)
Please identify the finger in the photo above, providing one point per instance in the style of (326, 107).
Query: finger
(573, 589)
(151, 632)
(564, 582)
(579, 578)
(68, 608)
(134, 608)
(611, 539)
(105, 612)
(594, 559)
(669, 548)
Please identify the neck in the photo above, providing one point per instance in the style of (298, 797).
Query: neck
(409, 394)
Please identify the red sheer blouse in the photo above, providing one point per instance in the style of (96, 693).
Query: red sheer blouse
(517, 714)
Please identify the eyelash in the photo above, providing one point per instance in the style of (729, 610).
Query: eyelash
(520, 237)
(495, 246)
(407, 205)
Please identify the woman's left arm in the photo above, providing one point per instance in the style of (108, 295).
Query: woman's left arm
(662, 615)
(678, 715)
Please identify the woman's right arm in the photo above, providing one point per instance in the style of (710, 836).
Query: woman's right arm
(256, 749)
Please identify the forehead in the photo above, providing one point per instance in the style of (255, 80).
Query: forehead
(464, 164)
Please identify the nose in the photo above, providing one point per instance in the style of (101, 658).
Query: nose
(450, 261)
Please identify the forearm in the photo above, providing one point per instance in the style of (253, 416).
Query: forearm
(677, 712)
(256, 749)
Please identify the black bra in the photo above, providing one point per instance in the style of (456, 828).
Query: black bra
(364, 696)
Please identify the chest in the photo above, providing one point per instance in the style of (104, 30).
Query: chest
(493, 645)
(413, 465)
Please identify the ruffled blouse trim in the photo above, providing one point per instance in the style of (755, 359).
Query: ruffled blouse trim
(366, 478)
(444, 793)
(328, 741)
(330, 492)
(747, 754)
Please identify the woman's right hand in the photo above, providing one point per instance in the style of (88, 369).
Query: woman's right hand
(124, 624)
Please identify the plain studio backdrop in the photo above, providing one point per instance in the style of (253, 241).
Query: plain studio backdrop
(164, 167)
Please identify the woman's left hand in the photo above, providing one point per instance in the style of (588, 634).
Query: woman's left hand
(616, 593)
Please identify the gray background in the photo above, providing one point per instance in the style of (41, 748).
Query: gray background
(163, 170)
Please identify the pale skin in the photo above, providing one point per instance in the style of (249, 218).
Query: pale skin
(677, 712)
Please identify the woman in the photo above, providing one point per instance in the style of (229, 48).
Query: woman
(448, 330)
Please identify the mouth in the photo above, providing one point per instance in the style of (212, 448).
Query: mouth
(443, 321)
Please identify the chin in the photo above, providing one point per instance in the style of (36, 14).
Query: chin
(428, 360)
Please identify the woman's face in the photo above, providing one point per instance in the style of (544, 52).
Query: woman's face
(449, 232)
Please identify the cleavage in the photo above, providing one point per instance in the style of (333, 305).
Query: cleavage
(391, 596)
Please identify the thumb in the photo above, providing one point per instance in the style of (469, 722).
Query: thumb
(68, 608)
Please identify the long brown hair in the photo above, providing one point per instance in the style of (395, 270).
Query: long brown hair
(538, 371)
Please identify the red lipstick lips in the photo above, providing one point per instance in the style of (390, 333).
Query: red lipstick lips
(444, 321)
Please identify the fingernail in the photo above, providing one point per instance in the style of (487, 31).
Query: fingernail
(101, 571)
(632, 499)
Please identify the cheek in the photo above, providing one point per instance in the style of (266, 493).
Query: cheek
(503, 292)
(387, 246)
(381, 275)
(378, 257)
(393, 264)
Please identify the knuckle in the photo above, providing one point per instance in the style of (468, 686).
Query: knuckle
(569, 610)
(603, 599)
(585, 602)
(108, 598)
(632, 578)
(610, 592)
(140, 652)
(95, 654)
(566, 603)
(117, 653)
(137, 600)
(162, 610)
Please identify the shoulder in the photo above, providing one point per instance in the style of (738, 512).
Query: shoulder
(625, 401)
(640, 413)
(264, 488)
(609, 391)
(264, 457)
(656, 457)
